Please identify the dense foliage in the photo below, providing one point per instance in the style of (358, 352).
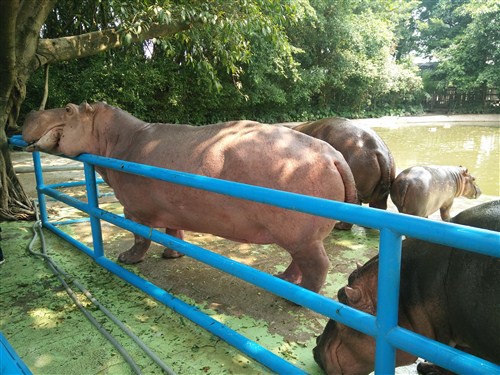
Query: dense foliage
(301, 60)
(289, 61)
(463, 37)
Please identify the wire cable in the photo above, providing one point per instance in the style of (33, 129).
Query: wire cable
(65, 278)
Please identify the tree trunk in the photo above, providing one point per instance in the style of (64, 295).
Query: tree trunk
(16, 205)
(21, 54)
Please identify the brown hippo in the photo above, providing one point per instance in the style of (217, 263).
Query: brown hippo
(241, 151)
(446, 294)
(422, 190)
(371, 162)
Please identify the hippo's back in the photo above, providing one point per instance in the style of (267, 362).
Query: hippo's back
(366, 153)
(473, 287)
(240, 151)
(486, 216)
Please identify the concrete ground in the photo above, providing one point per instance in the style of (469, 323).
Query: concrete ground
(53, 337)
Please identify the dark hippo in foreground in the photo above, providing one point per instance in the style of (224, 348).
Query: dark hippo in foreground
(366, 153)
(421, 191)
(446, 294)
(242, 151)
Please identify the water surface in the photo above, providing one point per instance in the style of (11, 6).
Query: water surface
(474, 147)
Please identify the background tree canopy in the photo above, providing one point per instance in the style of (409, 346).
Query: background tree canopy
(264, 60)
(187, 61)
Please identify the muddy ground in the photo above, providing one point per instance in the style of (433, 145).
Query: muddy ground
(52, 336)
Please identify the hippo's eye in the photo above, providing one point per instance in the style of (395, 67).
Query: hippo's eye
(68, 109)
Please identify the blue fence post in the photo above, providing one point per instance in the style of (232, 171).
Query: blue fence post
(93, 201)
(37, 163)
(388, 299)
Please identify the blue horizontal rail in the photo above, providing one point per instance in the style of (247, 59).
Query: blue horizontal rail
(391, 225)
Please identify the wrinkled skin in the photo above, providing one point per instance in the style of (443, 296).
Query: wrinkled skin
(369, 158)
(421, 191)
(241, 151)
(446, 294)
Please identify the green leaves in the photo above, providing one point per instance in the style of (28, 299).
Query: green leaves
(261, 59)
(465, 39)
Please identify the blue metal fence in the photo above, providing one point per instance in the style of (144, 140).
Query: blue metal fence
(392, 227)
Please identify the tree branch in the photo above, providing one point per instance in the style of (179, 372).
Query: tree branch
(74, 47)
(30, 18)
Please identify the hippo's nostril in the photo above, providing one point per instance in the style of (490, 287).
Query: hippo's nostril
(342, 296)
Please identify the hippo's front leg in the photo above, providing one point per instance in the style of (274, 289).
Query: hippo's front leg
(137, 252)
(169, 253)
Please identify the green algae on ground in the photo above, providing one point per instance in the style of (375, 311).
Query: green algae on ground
(53, 337)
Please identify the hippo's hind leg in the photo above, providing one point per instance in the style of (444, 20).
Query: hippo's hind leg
(169, 253)
(380, 204)
(137, 252)
(309, 266)
(445, 209)
(292, 273)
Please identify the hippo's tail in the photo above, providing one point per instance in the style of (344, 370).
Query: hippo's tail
(387, 175)
(399, 194)
(351, 194)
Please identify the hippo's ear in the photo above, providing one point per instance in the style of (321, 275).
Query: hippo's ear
(353, 295)
(87, 107)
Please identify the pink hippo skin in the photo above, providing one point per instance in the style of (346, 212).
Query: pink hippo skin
(421, 191)
(241, 151)
(369, 158)
(447, 294)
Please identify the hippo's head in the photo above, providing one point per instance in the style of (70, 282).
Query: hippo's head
(469, 186)
(343, 350)
(60, 130)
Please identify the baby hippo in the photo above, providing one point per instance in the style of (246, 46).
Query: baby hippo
(422, 190)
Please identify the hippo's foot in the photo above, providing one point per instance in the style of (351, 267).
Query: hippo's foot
(294, 279)
(428, 368)
(170, 254)
(132, 256)
(381, 204)
(292, 274)
(343, 226)
(137, 252)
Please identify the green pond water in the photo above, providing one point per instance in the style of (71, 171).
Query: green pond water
(475, 147)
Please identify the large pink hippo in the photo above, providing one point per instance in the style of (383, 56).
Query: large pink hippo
(447, 294)
(369, 158)
(422, 190)
(241, 151)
